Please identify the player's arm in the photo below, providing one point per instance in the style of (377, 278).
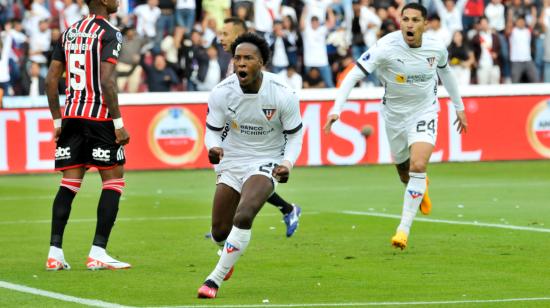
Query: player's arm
(52, 80)
(450, 84)
(342, 93)
(109, 90)
(112, 43)
(215, 121)
(292, 123)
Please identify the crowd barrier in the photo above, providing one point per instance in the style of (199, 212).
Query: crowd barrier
(507, 122)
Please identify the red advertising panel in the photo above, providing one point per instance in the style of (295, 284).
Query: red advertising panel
(171, 136)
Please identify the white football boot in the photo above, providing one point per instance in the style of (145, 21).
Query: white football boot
(98, 259)
(56, 260)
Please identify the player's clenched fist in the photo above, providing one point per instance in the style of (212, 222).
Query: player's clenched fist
(215, 154)
(122, 136)
(281, 173)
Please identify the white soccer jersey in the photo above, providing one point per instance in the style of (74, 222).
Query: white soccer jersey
(258, 123)
(408, 74)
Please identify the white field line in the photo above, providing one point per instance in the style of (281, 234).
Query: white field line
(58, 296)
(450, 222)
(474, 301)
(129, 219)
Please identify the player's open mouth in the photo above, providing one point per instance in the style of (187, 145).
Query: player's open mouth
(410, 34)
(242, 74)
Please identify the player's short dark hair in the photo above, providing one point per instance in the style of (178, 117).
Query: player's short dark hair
(416, 6)
(255, 40)
(88, 2)
(236, 22)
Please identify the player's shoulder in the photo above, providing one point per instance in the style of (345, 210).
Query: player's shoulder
(277, 84)
(391, 39)
(432, 42)
(110, 29)
(225, 88)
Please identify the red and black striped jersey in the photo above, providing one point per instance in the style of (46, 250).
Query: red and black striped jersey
(82, 48)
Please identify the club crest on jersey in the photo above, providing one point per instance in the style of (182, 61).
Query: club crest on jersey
(269, 113)
(431, 61)
(415, 194)
(229, 248)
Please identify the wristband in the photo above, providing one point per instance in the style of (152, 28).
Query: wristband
(56, 123)
(118, 123)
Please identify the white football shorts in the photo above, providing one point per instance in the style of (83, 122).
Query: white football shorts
(237, 175)
(420, 128)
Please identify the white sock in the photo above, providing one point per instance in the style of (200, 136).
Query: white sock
(97, 252)
(236, 243)
(414, 192)
(56, 253)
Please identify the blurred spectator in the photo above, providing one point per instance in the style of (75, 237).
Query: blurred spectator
(435, 29)
(192, 59)
(5, 49)
(487, 51)
(33, 84)
(388, 23)
(523, 67)
(244, 12)
(166, 21)
(450, 13)
(524, 9)
(37, 13)
(545, 20)
(294, 40)
(213, 72)
(128, 69)
(279, 58)
(40, 42)
(217, 10)
(370, 25)
(358, 45)
(265, 12)
(291, 77)
(313, 79)
(242, 9)
(146, 19)
(185, 18)
(70, 12)
(315, 46)
(496, 16)
(159, 77)
(473, 10)
(461, 59)
(210, 31)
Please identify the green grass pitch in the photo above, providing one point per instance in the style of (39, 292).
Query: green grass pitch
(338, 255)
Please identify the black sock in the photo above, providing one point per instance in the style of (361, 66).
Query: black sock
(280, 203)
(106, 216)
(61, 210)
(211, 284)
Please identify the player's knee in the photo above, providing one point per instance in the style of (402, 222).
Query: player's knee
(115, 185)
(243, 219)
(220, 233)
(71, 184)
(418, 166)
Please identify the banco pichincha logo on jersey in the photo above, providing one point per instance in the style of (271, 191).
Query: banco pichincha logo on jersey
(175, 136)
(538, 128)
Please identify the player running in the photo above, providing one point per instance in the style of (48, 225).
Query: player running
(91, 132)
(407, 63)
(232, 28)
(263, 145)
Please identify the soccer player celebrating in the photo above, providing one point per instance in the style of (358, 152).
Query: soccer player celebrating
(264, 142)
(90, 133)
(232, 28)
(407, 62)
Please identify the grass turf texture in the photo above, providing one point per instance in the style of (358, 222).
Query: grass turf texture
(333, 257)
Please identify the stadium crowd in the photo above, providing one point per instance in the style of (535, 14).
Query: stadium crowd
(174, 44)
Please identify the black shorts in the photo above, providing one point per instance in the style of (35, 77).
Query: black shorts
(88, 143)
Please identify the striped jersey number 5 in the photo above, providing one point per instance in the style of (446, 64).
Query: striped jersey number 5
(76, 68)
